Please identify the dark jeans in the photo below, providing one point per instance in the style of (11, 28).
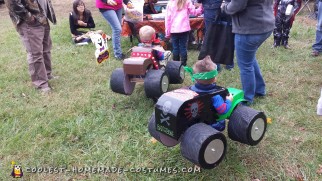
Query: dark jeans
(179, 44)
(211, 11)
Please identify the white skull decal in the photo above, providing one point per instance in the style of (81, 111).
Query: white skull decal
(166, 107)
(194, 109)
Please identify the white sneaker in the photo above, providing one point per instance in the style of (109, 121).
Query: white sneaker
(167, 56)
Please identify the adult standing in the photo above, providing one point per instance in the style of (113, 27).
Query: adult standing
(31, 21)
(112, 12)
(212, 14)
(253, 22)
(317, 46)
(211, 11)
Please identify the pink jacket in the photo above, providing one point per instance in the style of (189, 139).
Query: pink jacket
(101, 5)
(178, 21)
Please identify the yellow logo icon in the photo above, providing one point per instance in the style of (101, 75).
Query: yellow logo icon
(16, 170)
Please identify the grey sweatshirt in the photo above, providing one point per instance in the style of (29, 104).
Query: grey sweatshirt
(251, 16)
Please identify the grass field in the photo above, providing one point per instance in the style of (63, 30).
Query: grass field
(82, 123)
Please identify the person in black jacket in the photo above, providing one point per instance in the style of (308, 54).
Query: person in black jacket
(81, 22)
(148, 7)
(252, 22)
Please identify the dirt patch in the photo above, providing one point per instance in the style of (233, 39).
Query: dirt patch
(3, 10)
(305, 20)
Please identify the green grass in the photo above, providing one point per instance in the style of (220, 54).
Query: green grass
(83, 123)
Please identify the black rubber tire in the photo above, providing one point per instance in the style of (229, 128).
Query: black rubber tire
(156, 83)
(203, 145)
(120, 82)
(175, 71)
(162, 138)
(247, 125)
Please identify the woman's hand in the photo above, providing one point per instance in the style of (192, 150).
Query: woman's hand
(81, 23)
(111, 2)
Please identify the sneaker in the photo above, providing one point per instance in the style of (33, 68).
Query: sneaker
(167, 56)
(45, 90)
(220, 125)
(260, 96)
(52, 77)
(275, 46)
(287, 46)
(229, 67)
(120, 57)
(246, 103)
(315, 53)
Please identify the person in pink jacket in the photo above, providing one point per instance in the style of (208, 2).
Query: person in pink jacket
(177, 25)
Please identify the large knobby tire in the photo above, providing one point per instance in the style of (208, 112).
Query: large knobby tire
(203, 145)
(156, 83)
(162, 138)
(120, 82)
(247, 125)
(175, 71)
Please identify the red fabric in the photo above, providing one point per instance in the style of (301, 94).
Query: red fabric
(101, 5)
(158, 25)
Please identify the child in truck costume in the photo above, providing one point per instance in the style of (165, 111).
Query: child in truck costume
(148, 39)
(284, 11)
(204, 72)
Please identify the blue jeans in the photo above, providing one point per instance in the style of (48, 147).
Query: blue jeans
(179, 44)
(114, 17)
(246, 47)
(318, 37)
(211, 9)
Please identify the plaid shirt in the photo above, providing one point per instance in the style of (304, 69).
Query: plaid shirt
(23, 10)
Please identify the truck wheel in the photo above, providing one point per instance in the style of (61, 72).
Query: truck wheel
(203, 145)
(247, 125)
(120, 82)
(156, 83)
(164, 139)
(175, 71)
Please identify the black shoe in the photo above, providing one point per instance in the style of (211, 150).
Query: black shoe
(315, 53)
(120, 57)
(260, 95)
(277, 42)
(275, 45)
